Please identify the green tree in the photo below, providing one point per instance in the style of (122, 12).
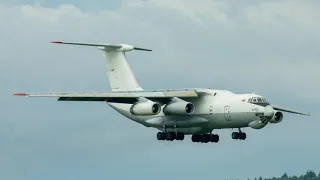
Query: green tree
(309, 175)
(284, 176)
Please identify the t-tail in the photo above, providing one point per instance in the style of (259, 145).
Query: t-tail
(120, 75)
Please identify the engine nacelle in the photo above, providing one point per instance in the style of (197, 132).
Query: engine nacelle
(277, 117)
(178, 107)
(146, 108)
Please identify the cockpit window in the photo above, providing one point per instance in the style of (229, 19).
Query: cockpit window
(258, 100)
(265, 101)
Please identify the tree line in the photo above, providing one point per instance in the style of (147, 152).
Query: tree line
(309, 175)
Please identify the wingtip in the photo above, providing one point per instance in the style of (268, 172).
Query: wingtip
(142, 49)
(306, 114)
(57, 42)
(20, 94)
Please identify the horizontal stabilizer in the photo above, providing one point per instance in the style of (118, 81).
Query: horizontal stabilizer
(107, 47)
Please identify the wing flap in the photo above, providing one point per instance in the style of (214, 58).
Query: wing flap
(83, 99)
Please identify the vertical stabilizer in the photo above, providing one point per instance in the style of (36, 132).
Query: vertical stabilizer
(121, 77)
(119, 72)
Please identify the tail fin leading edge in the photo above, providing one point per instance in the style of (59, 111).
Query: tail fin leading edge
(120, 75)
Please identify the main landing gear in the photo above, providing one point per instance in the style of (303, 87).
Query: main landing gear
(205, 138)
(239, 135)
(170, 136)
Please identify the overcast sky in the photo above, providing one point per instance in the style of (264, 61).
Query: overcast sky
(267, 47)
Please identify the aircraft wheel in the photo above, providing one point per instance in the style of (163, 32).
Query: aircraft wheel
(214, 138)
(174, 136)
(193, 138)
(163, 136)
(159, 136)
(180, 136)
(196, 138)
(204, 139)
(208, 137)
(170, 136)
(235, 135)
(242, 136)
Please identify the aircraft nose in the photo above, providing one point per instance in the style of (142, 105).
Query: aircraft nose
(268, 111)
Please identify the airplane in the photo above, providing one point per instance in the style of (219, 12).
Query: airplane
(174, 112)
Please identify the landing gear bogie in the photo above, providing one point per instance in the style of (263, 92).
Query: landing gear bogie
(239, 135)
(205, 138)
(170, 136)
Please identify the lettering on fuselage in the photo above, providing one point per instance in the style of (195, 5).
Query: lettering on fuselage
(255, 109)
(211, 109)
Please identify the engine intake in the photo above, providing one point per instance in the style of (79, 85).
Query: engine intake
(277, 117)
(146, 108)
(178, 107)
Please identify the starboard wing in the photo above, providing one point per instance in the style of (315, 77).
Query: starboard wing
(281, 108)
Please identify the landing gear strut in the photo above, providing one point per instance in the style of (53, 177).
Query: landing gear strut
(170, 136)
(205, 138)
(239, 135)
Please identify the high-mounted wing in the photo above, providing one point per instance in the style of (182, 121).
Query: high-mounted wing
(117, 96)
(280, 108)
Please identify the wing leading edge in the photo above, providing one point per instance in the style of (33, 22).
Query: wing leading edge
(281, 108)
(117, 96)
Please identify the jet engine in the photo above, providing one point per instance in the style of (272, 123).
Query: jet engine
(145, 108)
(178, 107)
(277, 117)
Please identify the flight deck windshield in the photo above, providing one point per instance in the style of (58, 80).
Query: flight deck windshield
(258, 100)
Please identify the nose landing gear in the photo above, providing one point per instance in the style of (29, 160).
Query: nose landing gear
(239, 135)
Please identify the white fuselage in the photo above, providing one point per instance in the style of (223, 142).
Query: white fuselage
(218, 109)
